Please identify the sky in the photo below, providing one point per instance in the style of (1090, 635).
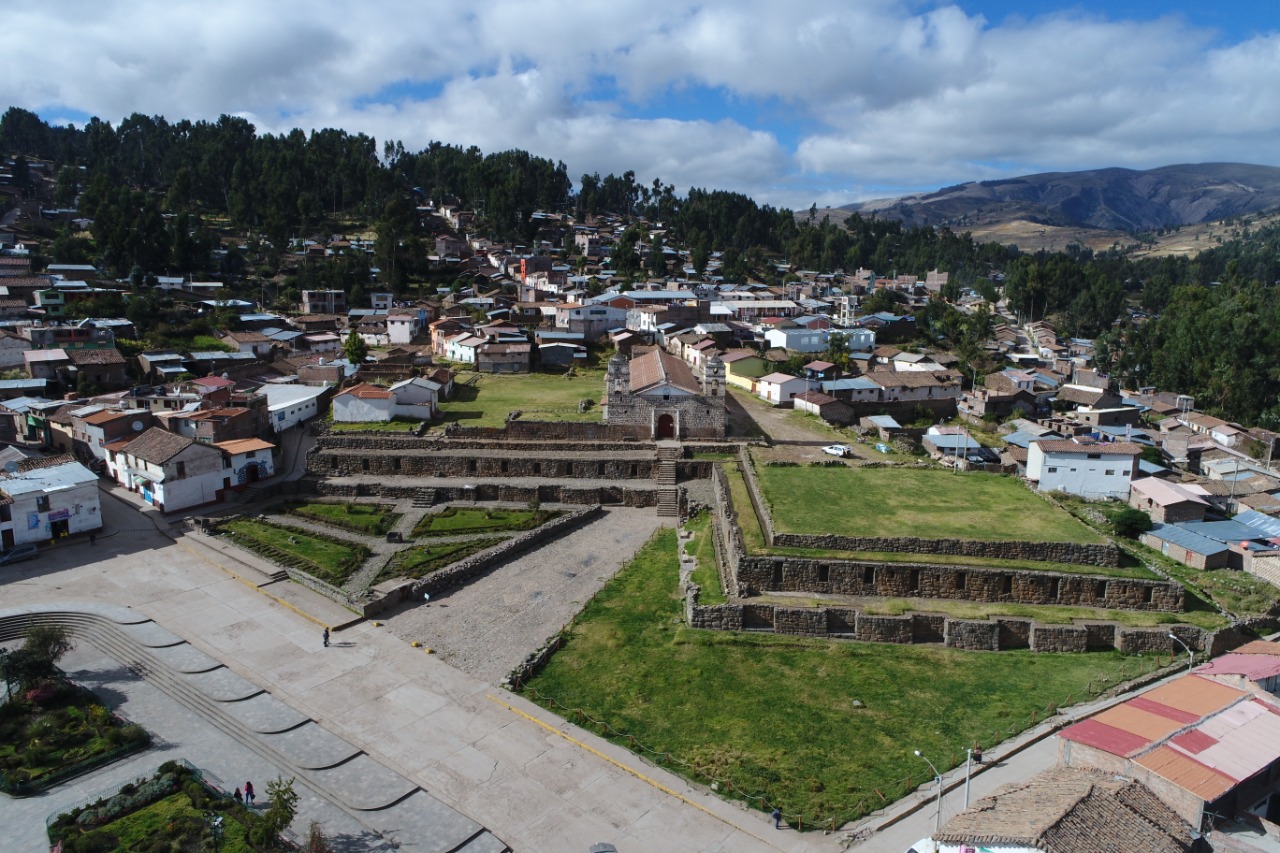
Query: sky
(793, 103)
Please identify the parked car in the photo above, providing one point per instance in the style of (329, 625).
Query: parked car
(18, 554)
(841, 450)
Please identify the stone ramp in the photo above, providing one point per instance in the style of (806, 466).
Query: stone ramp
(383, 800)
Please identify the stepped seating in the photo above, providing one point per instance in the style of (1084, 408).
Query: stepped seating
(332, 768)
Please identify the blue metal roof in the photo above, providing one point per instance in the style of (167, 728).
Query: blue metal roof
(851, 383)
(1021, 439)
(1177, 534)
(885, 421)
(952, 442)
(1224, 531)
(1261, 522)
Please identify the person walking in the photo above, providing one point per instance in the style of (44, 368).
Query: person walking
(248, 793)
(326, 637)
(776, 814)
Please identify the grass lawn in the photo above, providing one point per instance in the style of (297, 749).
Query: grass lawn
(458, 520)
(370, 519)
(703, 549)
(924, 502)
(405, 425)
(773, 716)
(53, 728)
(538, 396)
(423, 560)
(752, 533)
(328, 559)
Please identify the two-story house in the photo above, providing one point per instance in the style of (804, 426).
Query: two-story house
(1088, 469)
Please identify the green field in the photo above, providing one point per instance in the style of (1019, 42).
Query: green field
(369, 519)
(772, 718)
(537, 396)
(397, 425)
(702, 548)
(328, 559)
(924, 502)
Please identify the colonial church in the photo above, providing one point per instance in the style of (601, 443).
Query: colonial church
(660, 392)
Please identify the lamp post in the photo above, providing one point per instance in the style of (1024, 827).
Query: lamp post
(968, 772)
(937, 821)
(1191, 658)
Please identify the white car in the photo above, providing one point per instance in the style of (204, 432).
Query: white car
(841, 450)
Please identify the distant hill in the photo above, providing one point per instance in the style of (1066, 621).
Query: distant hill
(1111, 199)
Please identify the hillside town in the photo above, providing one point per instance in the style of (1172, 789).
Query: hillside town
(705, 388)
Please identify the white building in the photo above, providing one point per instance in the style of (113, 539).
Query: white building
(170, 471)
(44, 503)
(289, 405)
(248, 459)
(799, 339)
(1088, 470)
(403, 325)
(780, 389)
(413, 398)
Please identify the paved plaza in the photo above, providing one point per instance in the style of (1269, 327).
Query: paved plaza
(518, 773)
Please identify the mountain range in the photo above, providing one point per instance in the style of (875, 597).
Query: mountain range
(1114, 199)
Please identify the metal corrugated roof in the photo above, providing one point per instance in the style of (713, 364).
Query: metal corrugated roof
(1252, 666)
(1177, 534)
(1140, 722)
(1187, 773)
(1260, 521)
(1104, 737)
(1248, 738)
(1196, 695)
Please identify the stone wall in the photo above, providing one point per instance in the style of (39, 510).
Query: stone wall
(478, 564)
(1045, 552)
(848, 623)
(385, 459)
(550, 493)
(757, 574)
(1059, 638)
(973, 636)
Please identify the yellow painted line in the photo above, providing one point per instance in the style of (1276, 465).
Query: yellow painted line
(636, 773)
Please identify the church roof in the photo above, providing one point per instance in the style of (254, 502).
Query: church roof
(661, 368)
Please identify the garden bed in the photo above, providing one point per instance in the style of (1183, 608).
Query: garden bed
(56, 731)
(422, 560)
(371, 519)
(170, 811)
(459, 521)
(328, 558)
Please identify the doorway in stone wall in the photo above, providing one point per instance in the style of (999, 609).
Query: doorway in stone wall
(666, 427)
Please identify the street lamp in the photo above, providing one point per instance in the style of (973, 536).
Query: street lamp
(937, 821)
(1191, 658)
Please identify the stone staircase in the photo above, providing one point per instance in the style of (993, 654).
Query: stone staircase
(667, 477)
(424, 498)
(329, 766)
(251, 494)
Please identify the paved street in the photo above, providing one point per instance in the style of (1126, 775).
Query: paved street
(534, 781)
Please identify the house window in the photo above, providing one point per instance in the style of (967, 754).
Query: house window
(1053, 470)
(1093, 456)
(42, 503)
(182, 470)
(251, 454)
(1110, 472)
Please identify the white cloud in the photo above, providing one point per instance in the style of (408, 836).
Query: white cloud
(826, 99)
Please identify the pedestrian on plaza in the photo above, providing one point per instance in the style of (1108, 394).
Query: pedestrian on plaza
(238, 796)
(326, 637)
(776, 814)
(977, 754)
(248, 792)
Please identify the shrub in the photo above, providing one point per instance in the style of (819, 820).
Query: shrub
(1130, 522)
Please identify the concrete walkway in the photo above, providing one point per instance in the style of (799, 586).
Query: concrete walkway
(534, 781)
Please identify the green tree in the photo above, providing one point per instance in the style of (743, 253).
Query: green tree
(355, 348)
(37, 659)
(837, 351)
(281, 812)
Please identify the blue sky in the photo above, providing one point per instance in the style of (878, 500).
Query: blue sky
(814, 101)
